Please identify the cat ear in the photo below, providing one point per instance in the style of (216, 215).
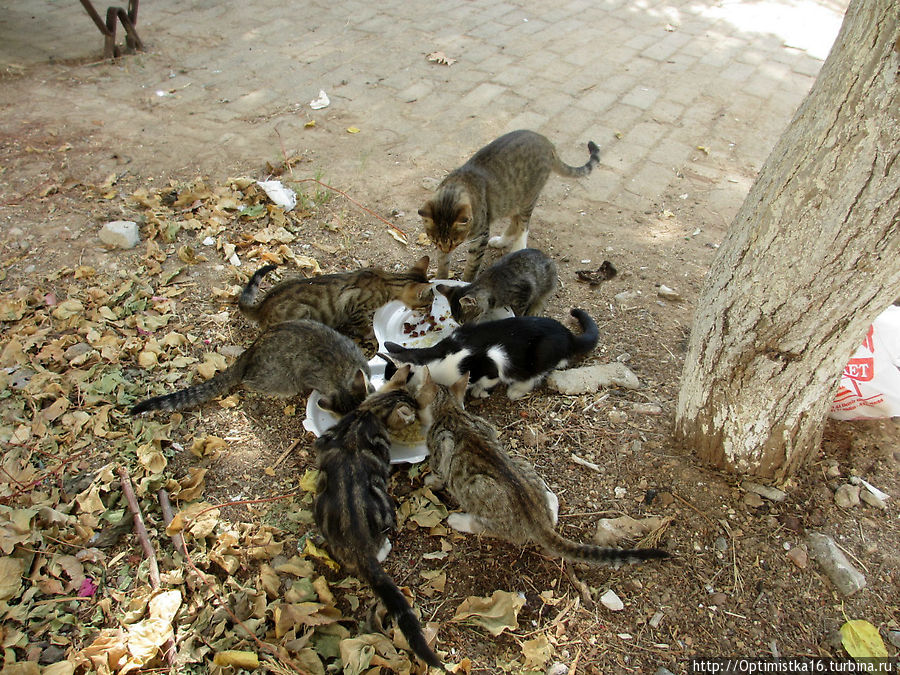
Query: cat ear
(398, 379)
(326, 404)
(465, 213)
(401, 416)
(468, 301)
(458, 388)
(361, 384)
(427, 391)
(427, 210)
(421, 266)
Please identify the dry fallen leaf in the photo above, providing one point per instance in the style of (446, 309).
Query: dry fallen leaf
(496, 613)
(441, 58)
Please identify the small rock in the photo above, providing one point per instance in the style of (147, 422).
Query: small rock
(591, 378)
(612, 601)
(872, 500)
(667, 293)
(753, 499)
(646, 408)
(894, 638)
(52, 654)
(209, 241)
(791, 522)
(847, 496)
(617, 417)
(718, 599)
(231, 351)
(531, 437)
(663, 671)
(625, 297)
(558, 668)
(430, 183)
(120, 234)
(720, 544)
(76, 350)
(842, 574)
(833, 471)
(770, 493)
(656, 619)
(798, 556)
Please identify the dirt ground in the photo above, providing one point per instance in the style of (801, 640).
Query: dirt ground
(731, 588)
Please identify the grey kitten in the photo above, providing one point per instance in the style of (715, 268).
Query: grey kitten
(353, 508)
(502, 179)
(501, 496)
(287, 359)
(523, 281)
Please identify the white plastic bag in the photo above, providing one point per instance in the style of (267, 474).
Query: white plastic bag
(870, 385)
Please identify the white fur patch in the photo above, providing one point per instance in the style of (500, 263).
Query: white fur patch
(446, 371)
(382, 554)
(497, 242)
(553, 505)
(517, 390)
(464, 522)
(520, 242)
(500, 359)
(482, 388)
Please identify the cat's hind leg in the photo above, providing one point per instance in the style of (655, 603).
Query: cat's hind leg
(517, 390)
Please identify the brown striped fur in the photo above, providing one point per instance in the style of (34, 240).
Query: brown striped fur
(353, 509)
(287, 359)
(502, 179)
(345, 301)
(501, 496)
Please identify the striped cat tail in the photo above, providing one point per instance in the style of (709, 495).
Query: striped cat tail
(247, 302)
(590, 334)
(559, 546)
(564, 169)
(218, 384)
(399, 608)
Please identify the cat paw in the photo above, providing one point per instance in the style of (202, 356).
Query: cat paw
(382, 553)
(464, 522)
(497, 242)
(515, 393)
(480, 393)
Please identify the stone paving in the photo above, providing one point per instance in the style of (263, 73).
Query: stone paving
(685, 89)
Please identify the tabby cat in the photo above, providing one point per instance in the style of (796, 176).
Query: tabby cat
(502, 179)
(287, 359)
(353, 509)
(523, 281)
(518, 352)
(501, 496)
(345, 301)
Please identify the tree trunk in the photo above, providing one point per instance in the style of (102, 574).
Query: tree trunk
(811, 258)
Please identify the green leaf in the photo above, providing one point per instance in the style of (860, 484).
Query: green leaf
(862, 640)
(254, 211)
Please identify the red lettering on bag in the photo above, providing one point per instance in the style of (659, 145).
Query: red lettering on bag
(861, 370)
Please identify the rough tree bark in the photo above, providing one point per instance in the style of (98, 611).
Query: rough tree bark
(811, 258)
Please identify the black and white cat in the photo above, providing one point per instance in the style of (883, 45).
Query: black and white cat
(518, 352)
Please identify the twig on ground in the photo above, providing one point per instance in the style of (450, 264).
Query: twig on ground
(284, 454)
(699, 512)
(166, 506)
(580, 586)
(139, 528)
(584, 462)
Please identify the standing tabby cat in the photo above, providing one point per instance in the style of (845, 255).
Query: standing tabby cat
(502, 179)
(287, 359)
(501, 496)
(353, 509)
(344, 301)
(523, 281)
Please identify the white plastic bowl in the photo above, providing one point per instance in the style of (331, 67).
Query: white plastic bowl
(388, 323)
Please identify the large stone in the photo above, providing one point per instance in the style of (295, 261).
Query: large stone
(842, 574)
(120, 234)
(591, 378)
